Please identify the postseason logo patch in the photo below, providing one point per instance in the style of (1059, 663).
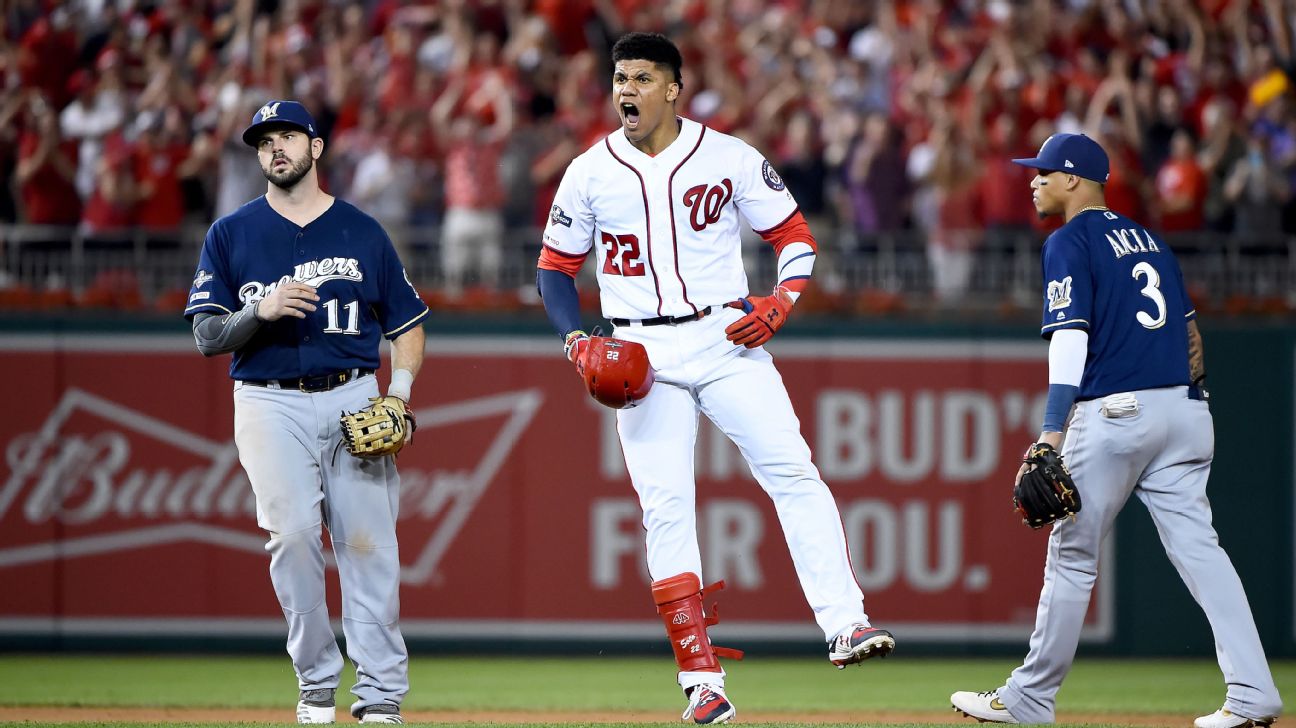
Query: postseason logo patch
(201, 278)
(772, 178)
(558, 217)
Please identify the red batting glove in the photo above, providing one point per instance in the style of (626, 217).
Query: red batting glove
(575, 349)
(765, 316)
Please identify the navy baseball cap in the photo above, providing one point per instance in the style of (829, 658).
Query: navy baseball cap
(279, 114)
(1071, 153)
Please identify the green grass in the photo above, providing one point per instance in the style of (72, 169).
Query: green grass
(1187, 687)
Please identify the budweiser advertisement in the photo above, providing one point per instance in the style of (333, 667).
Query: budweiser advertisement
(124, 509)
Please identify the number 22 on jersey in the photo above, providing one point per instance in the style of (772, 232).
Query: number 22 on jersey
(621, 255)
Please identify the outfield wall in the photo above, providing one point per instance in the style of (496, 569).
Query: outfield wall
(124, 513)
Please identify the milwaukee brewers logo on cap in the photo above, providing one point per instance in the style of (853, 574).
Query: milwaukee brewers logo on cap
(279, 114)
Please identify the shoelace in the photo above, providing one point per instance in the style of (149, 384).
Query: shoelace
(703, 694)
(989, 694)
(844, 641)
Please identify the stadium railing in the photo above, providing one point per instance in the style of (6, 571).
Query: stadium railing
(48, 268)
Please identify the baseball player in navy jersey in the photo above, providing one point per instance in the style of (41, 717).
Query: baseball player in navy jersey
(300, 287)
(660, 202)
(1125, 351)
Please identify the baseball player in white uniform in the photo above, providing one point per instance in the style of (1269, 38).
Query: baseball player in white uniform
(660, 202)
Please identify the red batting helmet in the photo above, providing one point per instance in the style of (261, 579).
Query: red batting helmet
(617, 373)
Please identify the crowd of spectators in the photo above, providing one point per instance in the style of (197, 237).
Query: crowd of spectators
(461, 115)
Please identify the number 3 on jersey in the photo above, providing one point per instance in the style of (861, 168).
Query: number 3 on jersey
(621, 257)
(1152, 291)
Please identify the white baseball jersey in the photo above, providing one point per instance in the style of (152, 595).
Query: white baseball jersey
(665, 231)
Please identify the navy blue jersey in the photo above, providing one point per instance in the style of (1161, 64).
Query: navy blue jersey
(1106, 274)
(345, 254)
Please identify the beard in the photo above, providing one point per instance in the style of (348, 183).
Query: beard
(288, 178)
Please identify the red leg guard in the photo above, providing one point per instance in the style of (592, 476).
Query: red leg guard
(679, 602)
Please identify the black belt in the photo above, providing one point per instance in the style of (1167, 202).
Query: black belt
(1195, 391)
(666, 320)
(318, 383)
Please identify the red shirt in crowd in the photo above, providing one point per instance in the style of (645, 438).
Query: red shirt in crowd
(1180, 183)
(112, 206)
(1005, 194)
(49, 198)
(472, 176)
(162, 205)
(1121, 190)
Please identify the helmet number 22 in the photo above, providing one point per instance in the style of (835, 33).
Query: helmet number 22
(352, 315)
(1152, 291)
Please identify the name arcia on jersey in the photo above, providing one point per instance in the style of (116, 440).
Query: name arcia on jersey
(1126, 241)
(313, 273)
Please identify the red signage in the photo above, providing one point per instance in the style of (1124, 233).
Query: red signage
(123, 505)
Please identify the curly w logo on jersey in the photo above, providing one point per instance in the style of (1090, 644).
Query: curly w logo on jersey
(313, 273)
(706, 203)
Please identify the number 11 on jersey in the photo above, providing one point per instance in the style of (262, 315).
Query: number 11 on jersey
(352, 314)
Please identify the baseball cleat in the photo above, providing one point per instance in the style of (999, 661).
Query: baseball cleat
(858, 643)
(381, 713)
(985, 707)
(316, 706)
(708, 705)
(1224, 719)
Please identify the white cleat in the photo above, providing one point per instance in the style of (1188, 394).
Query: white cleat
(316, 707)
(1224, 719)
(985, 707)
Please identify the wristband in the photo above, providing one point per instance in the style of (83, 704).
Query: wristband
(1058, 406)
(401, 381)
(571, 340)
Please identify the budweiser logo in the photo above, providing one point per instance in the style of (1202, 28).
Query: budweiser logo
(98, 482)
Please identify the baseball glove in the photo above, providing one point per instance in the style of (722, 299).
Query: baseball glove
(380, 429)
(1045, 492)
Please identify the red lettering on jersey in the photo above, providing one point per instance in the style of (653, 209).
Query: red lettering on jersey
(622, 248)
(705, 204)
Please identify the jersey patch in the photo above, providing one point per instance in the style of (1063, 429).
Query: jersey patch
(201, 296)
(1059, 294)
(772, 178)
(558, 217)
(201, 278)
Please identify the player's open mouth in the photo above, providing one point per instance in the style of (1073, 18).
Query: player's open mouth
(630, 113)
